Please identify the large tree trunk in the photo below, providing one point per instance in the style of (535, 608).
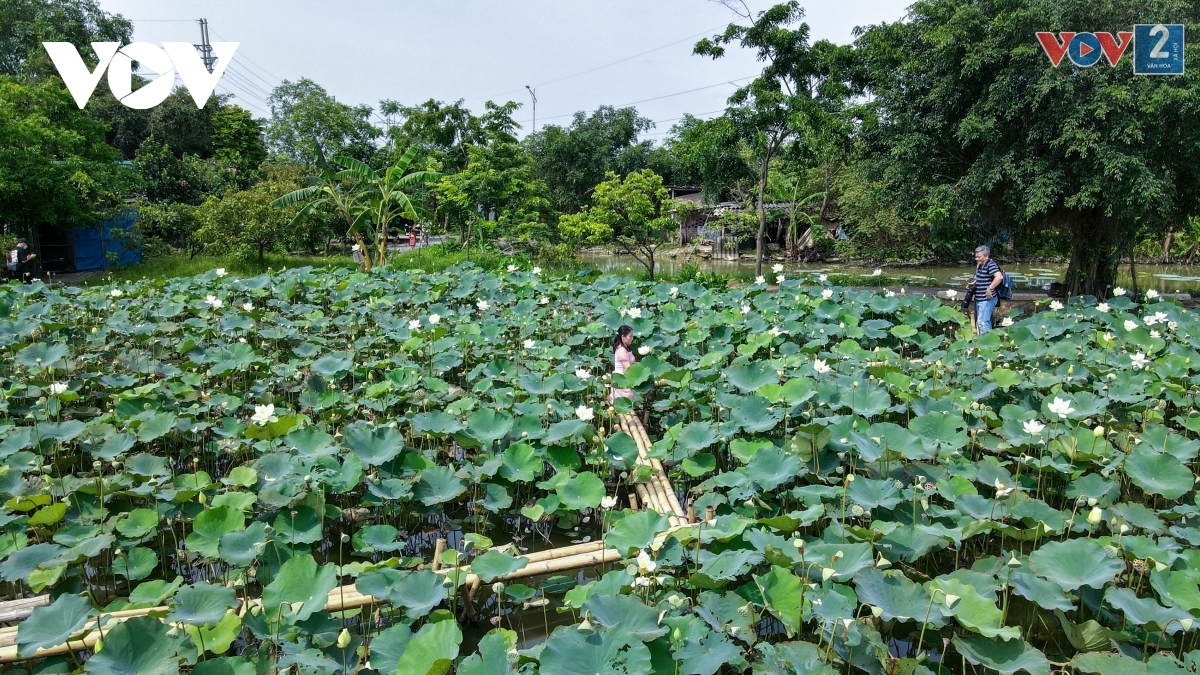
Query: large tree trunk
(1096, 246)
(362, 246)
(762, 216)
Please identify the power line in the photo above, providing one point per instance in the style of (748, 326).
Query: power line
(252, 61)
(242, 79)
(601, 67)
(657, 98)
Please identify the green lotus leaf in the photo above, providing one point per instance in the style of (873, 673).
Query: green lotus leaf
(1146, 611)
(753, 414)
(749, 377)
(636, 531)
(334, 364)
(1004, 657)
(41, 355)
(138, 645)
(521, 463)
(1074, 563)
(1158, 473)
(1045, 593)
(202, 604)
(219, 638)
(242, 547)
(615, 651)
(432, 650)
(488, 426)
(300, 588)
(138, 523)
(136, 563)
(225, 665)
(494, 564)
(416, 592)
(373, 446)
(50, 626)
(972, 610)
(566, 429)
(438, 485)
(156, 427)
(772, 467)
(210, 525)
(897, 598)
(377, 538)
(782, 596)
(26, 561)
(581, 491)
(940, 432)
(729, 565)
(492, 658)
(153, 592)
(628, 612)
(436, 423)
(389, 646)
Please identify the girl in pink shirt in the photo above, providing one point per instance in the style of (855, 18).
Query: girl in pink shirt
(622, 359)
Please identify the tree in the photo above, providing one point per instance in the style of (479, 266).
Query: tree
(632, 213)
(712, 155)
(306, 122)
(244, 222)
(335, 189)
(55, 167)
(237, 139)
(792, 93)
(572, 160)
(25, 24)
(383, 197)
(968, 122)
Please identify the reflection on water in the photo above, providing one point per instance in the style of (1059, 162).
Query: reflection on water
(1165, 278)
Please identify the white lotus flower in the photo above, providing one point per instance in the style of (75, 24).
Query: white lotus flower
(512, 268)
(414, 324)
(827, 293)
(582, 373)
(889, 293)
(1118, 291)
(528, 344)
(775, 332)
(780, 279)
(116, 293)
(643, 350)
(264, 414)
(776, 268)
(482, 305)
(1139, 361)
(1006, 321)
(760, 279)
(1155, 334)
(1033, 427)
(57, 388)
(248, 306)
(607, 502)
(1149, 319)
(1060, 407)
(823, 277)
(877, 272)
(433, 319)
(220, 271)
(537, 270)
(1151, 294)
(1108, 336)
(213, 301)
(585, 413)
(544, 300)
(1055, 305)
(674, 291)
(1130, 324)
(1171, 325)
(1102, 307)
(354, 247)
(951, 293)
(1160, 317)
(821, 367)
(745, 309)
(645, 563)
(635, 312)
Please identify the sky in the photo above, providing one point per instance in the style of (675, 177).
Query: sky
(576, 54)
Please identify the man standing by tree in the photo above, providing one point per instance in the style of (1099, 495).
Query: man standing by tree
(18, 257)
(988, 278)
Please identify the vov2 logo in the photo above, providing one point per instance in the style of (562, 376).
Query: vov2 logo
(174, 57)
(1157, 48)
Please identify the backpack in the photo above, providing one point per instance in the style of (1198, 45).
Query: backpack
(13, 257)
(1005, 291)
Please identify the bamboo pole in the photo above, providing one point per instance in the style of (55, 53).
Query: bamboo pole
(649, 495)
(676, 507)
(16, 610)
(658, 485)
(438, 548)
(564, 551)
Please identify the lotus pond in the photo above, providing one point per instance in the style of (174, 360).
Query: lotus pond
(879, 491)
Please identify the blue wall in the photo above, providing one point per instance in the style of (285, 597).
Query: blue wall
(89, 247)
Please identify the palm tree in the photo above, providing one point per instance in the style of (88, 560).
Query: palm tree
(383, 196)
(338, 190)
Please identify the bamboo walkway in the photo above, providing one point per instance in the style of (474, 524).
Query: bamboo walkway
(655, 493)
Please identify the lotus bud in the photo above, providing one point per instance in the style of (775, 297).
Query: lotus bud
(951, 599)
(1186, 624)
(1098, 431)
(585, 626)
(827, 573)
(96, 465)
(201, 498)
(847, 622)
(883, 562)
(343, 639)
(876, 611)
(1013, 562)
(1091, 501)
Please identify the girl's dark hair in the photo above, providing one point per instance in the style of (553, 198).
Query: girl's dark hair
(622, 332)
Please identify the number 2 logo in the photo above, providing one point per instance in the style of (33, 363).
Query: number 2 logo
(1157, 52)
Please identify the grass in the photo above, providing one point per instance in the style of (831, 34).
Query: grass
(170, 266)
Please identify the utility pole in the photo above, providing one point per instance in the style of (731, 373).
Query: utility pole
(533, 93)
(205, 47)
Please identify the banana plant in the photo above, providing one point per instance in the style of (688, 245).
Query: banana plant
(384, 197)
(335, 187)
